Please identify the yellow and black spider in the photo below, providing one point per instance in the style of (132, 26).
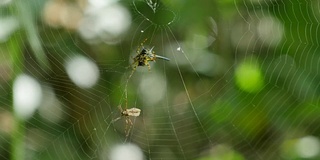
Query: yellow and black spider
(144, 56)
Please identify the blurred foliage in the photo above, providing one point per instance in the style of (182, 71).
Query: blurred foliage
(242, 83)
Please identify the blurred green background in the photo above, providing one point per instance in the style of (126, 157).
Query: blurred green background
(242, 82)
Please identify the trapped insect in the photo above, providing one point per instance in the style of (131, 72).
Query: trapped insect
(144, 56)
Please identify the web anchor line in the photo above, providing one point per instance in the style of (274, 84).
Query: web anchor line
(185, 87)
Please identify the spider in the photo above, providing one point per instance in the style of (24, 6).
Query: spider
(127, 113)
(144, 56)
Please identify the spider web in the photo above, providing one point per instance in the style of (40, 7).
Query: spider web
(249, 91)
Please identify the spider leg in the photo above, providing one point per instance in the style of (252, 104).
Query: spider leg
(149, 67)
(141, 46)
(134, 66)
(115, 120)
(129, 125)
(120, 108)
(126, 92)
(126, 128)
(130, 122)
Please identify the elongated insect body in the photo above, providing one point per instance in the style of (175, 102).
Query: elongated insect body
(164, 58)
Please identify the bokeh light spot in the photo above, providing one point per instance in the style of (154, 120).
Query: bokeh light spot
(82, 71)
(51, 108)
(249, 76)
(106, 23)
(270, 30)
(125, 152)
(158, 85)
(27, 94)
(308, 147)
(8, 25)
(5, 2)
